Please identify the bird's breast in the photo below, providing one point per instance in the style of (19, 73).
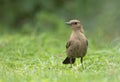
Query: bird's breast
(78, 46)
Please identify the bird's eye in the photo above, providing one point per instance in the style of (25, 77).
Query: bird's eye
(75, 23)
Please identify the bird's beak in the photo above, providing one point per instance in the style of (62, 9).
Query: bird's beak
(68, 23)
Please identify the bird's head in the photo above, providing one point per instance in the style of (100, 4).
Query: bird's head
(75, 24)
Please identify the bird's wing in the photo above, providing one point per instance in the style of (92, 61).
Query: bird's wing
(68, 44)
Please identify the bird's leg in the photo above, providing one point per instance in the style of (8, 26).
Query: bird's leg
(82, 62)
(70, 62)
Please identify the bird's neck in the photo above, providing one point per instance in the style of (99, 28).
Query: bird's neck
(78, 29)
(81, 30)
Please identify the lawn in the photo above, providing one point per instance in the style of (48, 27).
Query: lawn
(38, 58)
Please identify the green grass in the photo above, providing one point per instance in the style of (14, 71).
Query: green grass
(38, 58)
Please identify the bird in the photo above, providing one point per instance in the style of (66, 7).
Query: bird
(77, 44)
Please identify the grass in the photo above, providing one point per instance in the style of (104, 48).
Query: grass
(38, 58)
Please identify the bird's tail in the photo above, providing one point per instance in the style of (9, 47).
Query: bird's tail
(67, 60)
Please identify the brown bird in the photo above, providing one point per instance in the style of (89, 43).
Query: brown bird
(77, 44)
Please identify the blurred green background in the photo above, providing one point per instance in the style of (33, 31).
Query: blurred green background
(33, 36)
(99, 17)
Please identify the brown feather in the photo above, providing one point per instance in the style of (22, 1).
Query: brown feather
(77, 44)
